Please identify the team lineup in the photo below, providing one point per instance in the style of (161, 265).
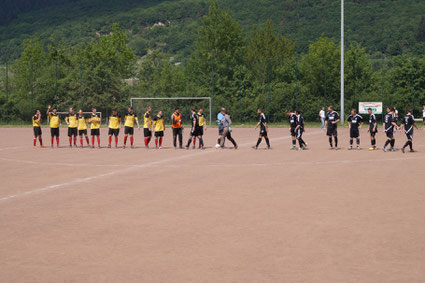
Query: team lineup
(154, 125)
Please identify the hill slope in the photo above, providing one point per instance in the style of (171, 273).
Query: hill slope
(382, 26)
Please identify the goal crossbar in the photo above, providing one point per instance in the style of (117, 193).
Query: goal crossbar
(176, 98)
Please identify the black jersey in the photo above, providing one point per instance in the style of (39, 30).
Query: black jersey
(355, 121)
(300, 121)
(262, 121)
(372, 121)
(195, 118)
(408, 122)
(293, 121)
(389, 119)
(330, 118)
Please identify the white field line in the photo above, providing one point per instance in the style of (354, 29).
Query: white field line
(126, 170)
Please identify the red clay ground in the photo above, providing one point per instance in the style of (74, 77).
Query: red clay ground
(213, 215)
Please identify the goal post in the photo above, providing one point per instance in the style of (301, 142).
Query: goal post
(167, 105)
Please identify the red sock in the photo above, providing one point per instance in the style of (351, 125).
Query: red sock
(194, 141)
(116, 141)
(41, 141)
(51, 140)
(57, 141)
(35, 141)
(149, 140)
(156, 142)
(146, 142)
(70, 140)
(98, 141)
(110, 140)
(125, 140)
(81, 141)
(75, 140)
(160, 141)
(87, 140)
(92, 140)
(132, 140)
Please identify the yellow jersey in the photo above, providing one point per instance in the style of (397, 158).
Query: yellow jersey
(54, 120)
(35, 121)
(72, 120)
(129, 119)
(114, 121)
(201, 119)
(147, 121)
(94, 121)
(159, 123)
(82, 122)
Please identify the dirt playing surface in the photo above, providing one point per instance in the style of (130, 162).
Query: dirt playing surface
(211, 215)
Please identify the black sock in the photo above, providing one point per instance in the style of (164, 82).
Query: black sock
(330, 141)
(387, 143)
(258, 142)
(201, 142)
(301, 142)
(392, 143)
(189, 141)
(411, 145)
(358, 142)
(373, 142)
(351, 142)
(294, 142)
(406, 144)
(336, 141)
(267, 142)
(218, 141)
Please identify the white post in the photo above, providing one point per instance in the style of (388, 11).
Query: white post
(342, 63)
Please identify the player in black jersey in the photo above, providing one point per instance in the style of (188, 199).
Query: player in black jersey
(389, 125)
(331, 122)
(195, 124)
(262, 123)
(292, 125)
(373, 129)
(408, 122)
(299, 130)
(355, 121)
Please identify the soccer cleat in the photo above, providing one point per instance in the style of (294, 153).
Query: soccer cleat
(116, 146)
(123, 146)
(51, 146)
(412, 150)
(358, 147)
(331, 148)
(42, 145)
(269, 147)
(70, 146)
(236, 147)
(254, 147)
(350, 147)
(305, 144)
(109, 146)
(402, 150)
(132, 146)
(293, 147)
(186, 147)
(193, 147)
(301, 148)
(98, 147)
(384, 149)
(372, 148)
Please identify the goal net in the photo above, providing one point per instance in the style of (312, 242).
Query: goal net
(168, 104)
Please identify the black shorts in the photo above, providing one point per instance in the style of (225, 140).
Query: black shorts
(293, 134)
(390, 134)
(200, 131)
(220, 131)
(95, 132)
(299, 133)
(82, 132)
(147, 132)
(129, 130)
(409, 135)
(159, 134)
(424, 119)
(72, 132)
(114, 132)
(263, 133)
(373, 133)
(332, 132)
(54, 132)
(37, 131)
(354, 133)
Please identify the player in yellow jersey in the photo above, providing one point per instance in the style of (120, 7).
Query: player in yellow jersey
(82, 127)
(114, 127)
(72, 122)
(36, 122)
(202, 126)
(159, 127)
(94, 127)
(129, 119)
(54, 124)
(147, 126)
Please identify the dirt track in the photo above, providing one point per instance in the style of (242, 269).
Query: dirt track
(213, 215)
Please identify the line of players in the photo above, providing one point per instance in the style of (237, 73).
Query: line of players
(78, 125)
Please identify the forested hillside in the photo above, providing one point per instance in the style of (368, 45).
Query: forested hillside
(381, 26)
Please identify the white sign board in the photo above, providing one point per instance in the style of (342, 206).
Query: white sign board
(375, 106)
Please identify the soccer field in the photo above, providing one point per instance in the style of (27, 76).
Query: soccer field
(137, 215)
